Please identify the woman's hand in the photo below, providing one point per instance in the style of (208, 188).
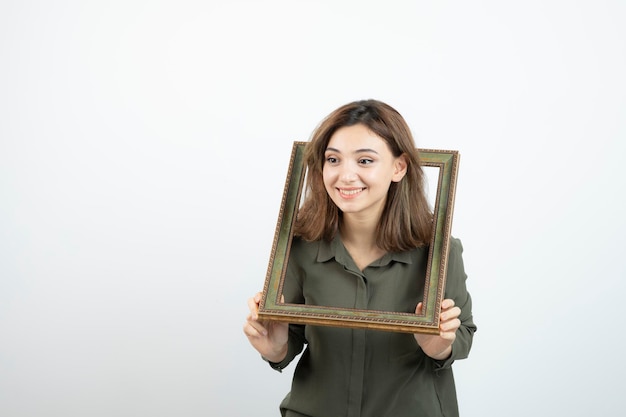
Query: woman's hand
(269, 338)
(439, 346)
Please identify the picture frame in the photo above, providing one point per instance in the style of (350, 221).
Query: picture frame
(272, 308)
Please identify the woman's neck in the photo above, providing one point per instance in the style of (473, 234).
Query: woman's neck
(359, 238)
(358, 232)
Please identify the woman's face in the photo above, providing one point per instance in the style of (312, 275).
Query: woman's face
(358, 170)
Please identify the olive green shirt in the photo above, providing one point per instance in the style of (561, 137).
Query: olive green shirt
(369, 373)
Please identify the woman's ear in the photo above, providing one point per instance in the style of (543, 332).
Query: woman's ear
(400, 168)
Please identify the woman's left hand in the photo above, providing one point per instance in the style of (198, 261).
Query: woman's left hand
(439, 346)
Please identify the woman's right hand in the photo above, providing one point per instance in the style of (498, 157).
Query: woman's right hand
(269, 338)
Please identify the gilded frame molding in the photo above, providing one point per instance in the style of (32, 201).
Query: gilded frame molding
(271, 307)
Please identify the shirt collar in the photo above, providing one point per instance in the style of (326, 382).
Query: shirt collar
(335, 249)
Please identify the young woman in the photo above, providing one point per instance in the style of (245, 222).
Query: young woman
(361, 241)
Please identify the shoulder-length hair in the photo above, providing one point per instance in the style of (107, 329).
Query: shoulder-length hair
(406, 220)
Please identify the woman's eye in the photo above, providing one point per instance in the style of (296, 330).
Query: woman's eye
(365, 161)
(331, 160)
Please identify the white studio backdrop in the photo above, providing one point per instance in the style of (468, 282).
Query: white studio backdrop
(143, 152)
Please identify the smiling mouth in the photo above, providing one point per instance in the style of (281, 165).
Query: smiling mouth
(351, 192)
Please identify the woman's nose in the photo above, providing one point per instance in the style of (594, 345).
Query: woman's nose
(348, 174)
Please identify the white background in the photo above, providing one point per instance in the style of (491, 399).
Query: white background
(143, 153)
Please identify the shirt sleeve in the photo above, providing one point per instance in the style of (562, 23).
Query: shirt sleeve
(456, 289)
(294, 347)
(292, 291)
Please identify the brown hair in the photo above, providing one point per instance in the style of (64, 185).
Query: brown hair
(406, 221)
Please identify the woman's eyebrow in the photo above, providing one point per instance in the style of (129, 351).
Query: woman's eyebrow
(366, 150)
(363, 150)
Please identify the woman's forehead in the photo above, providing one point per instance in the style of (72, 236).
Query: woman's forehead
(356, 138)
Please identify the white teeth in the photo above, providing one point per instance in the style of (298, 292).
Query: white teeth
(351, 192)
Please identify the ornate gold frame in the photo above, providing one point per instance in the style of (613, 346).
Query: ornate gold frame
(271, 308)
